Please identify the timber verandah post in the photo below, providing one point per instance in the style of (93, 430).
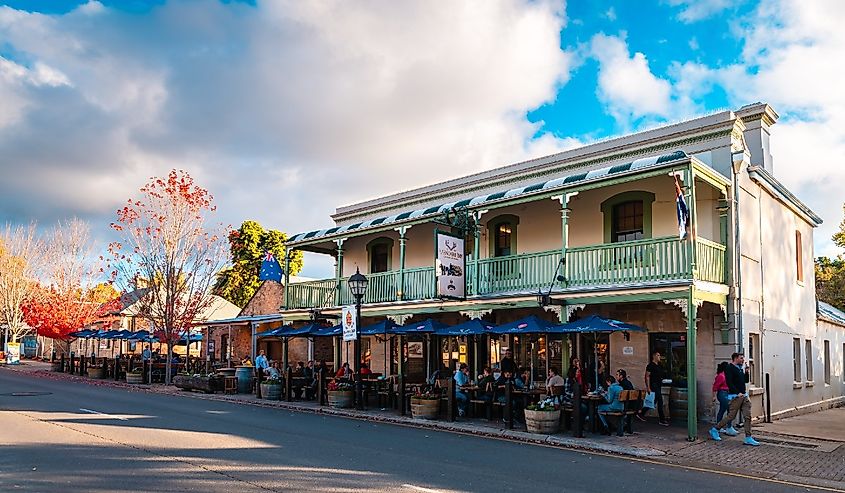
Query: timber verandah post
(400, 293)
(338, 271)
(287, 278)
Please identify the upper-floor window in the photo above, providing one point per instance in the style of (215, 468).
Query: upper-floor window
(502, 231)
(627, 221)
(799, 257)
(627, 216)
(380, 254)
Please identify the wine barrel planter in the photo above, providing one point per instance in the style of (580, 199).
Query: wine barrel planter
(678, 402)
(545, 422)
(425, 408)
(96, 372)
(134, 378)
(272, 392)
(341, 398)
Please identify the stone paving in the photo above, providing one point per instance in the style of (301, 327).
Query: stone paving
(786, 454)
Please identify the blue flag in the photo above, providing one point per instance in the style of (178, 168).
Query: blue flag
(270, 269)
(682, 211)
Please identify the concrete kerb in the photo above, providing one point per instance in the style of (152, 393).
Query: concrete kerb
(453, 427)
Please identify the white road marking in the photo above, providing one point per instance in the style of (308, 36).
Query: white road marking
(420, 488)
(91, 411)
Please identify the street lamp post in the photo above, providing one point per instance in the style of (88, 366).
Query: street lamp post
(358, 287)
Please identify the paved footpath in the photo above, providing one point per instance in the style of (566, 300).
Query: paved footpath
(786, 454)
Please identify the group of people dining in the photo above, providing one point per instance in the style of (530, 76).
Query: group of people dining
(303, 375)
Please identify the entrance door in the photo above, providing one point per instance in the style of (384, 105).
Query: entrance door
(673, 348)
(224, 347)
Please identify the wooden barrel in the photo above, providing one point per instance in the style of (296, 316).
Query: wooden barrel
(425, 408)
(244, 374)
(341, 398)
(545, 422)
(134, 378)
(678, 402)
(272, 392)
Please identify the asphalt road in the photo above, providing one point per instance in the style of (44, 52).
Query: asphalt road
(85, 438)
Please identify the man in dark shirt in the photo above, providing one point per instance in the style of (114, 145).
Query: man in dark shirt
(653, 383)
(739, 401)
(622, 378)
(507, 364)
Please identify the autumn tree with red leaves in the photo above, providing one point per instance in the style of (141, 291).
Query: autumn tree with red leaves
(71, 290)
(169, 246)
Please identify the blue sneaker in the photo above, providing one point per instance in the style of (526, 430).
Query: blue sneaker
(751, 441)
(714, 434)
(730, 431)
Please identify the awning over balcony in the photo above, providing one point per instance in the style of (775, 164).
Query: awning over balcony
(482, 200)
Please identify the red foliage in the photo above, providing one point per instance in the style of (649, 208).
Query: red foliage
(56, 316)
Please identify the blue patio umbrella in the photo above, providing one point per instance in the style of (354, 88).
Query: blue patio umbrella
(277, 332)
(594, 325)
(384, 327)
(475, 326)
(531, 324)
(427, 326)
(327, 331)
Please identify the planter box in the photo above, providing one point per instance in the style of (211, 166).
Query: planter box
(134, 378)
(97, 373)
(271, 392)
(425, 408)
(341, 398)
(545, 422)
(188, 382)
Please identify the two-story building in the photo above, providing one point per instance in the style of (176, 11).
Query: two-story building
(597, 229)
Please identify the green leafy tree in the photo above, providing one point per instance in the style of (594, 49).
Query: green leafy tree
(830, 274)
(247, 246)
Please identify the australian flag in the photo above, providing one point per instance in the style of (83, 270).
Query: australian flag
(270, 269)
(683, 212)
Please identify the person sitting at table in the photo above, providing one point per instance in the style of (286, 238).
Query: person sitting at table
(622, 378)
(323, 367)
(611, 397)
(146, 354)
(500, 392)
(461, 379)
(246, 361)
(576, 374)
(554, 380)
(274, 370)
(310, 380)
(524, 377)
(485, 385)
(365, 370)
(344, 371)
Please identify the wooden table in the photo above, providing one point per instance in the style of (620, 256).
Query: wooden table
(593, 401)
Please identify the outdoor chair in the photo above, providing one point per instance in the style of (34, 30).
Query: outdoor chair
(629, 399)
(487, 403)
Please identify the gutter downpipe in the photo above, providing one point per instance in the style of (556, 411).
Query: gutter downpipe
(737, 168)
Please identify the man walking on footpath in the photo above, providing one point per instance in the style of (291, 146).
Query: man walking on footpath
(739, 402)
(653, 383)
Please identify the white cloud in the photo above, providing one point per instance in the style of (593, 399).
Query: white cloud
(792, 59)
(284, 110)
(626, 84)
(696, 10)
(610, 14)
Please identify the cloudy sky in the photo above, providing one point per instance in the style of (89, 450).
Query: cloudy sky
(285, 110)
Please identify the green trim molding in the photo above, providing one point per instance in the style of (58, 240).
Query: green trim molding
(647, 198)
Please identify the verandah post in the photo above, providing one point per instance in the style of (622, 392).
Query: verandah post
(692, 387)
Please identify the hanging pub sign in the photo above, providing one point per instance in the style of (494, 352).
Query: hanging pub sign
(350, 323)
(450, 266)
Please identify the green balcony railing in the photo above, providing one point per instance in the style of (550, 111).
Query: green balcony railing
(628, 262)
(632, 262)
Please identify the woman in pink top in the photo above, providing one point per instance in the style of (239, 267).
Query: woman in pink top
(720, 390)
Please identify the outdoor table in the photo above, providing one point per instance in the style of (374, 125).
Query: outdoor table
(593, 401)
(528, 394)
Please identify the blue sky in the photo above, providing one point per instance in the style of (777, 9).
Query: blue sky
(261, 100)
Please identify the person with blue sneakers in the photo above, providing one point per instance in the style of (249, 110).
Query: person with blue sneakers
(739, 402)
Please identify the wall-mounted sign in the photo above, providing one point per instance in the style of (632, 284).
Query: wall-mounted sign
(628, 350)
(450, 266)
(350, 323)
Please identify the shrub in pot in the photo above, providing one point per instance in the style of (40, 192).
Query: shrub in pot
(271, 389)
(341, 394)
(425, 405)
(542, 417)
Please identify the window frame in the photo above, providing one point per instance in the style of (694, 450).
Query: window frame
(607, 208)
(799, 258)
(754, 356)
(796, 360)
(826, 362)
(380, 241)
(492, 236)
(808, 353)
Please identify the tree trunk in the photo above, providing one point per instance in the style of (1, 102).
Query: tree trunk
(168, 363)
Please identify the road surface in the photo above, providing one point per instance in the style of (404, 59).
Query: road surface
(75, 437)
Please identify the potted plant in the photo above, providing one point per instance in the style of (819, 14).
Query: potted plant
(425, 405)
(135, 376)
(341, 394)
(96, 371)
(271, 389)
(542, 417)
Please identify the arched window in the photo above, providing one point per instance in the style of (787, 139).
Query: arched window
(627, 216)
(380, 253)
(502, 234)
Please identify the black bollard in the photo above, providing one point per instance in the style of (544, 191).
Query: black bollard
(321, 387)
(288, 392)
(71, 363)
(577, 429)
(258, 377)
(82, 365)
(117, 368)
(401, 394)
(62, 363)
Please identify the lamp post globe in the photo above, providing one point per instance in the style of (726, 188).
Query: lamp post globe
(358, 285)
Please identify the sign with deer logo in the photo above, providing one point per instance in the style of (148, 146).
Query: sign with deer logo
(450, 266)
